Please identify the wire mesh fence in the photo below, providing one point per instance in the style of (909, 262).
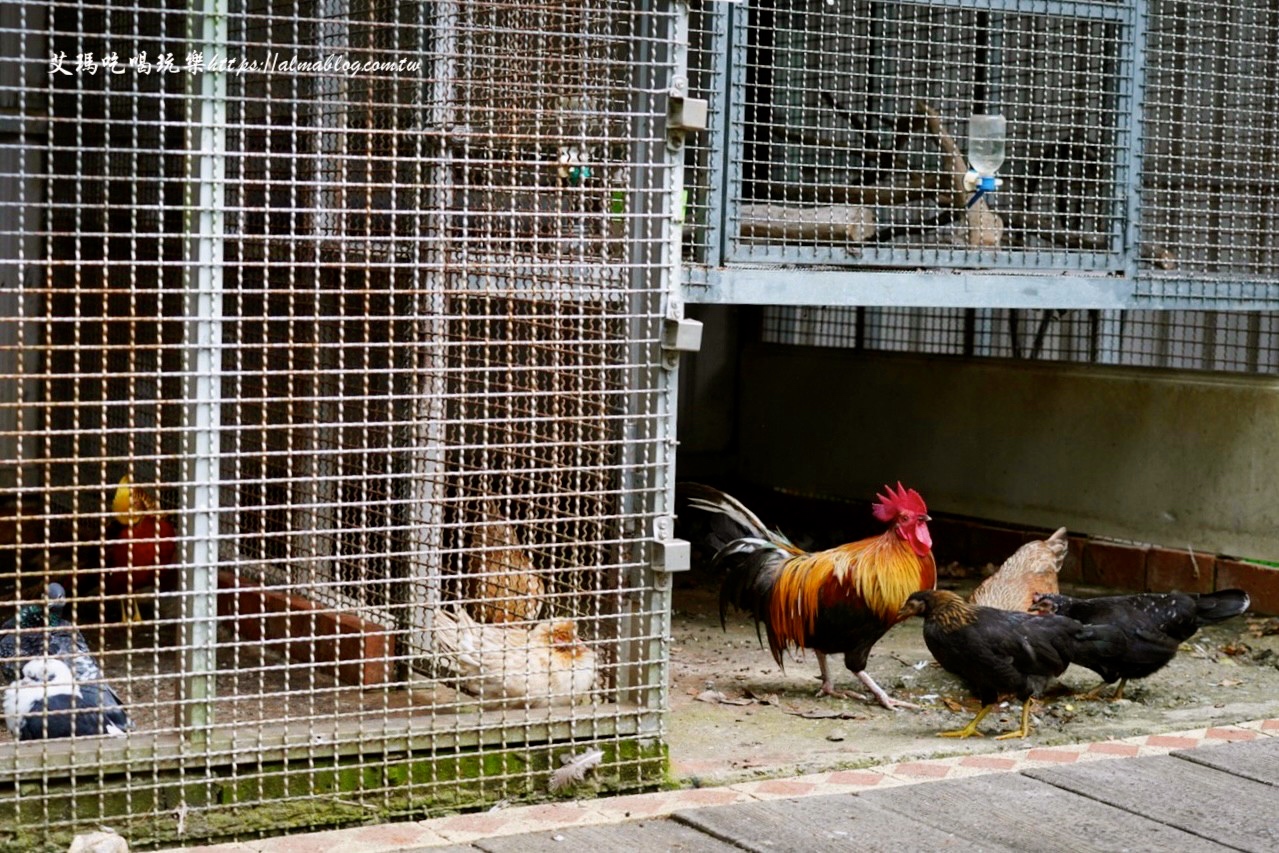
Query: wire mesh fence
(364, 299)
(1239, 342)
(1137, 140)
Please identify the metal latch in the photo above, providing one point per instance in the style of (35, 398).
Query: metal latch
(683, 335)
(672, 555)
(686, 114)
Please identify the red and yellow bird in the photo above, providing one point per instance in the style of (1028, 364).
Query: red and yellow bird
(837, 601)
(141, 556)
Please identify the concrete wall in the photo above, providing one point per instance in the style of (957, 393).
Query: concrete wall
(708, 396)
(1180, 460)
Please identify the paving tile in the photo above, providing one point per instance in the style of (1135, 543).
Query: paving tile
(381, 838)
(914, 770)
(1053, 755)
(665, 802)
(516, 820)
(1171, 742)
(770, 788)
(988, 762)
(1230, 733)
(1114, 749)
(855, 778)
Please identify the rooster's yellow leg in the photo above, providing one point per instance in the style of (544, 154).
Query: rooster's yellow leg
(970, 729)
(1119, 691)
(132, 612)
(1025, 722)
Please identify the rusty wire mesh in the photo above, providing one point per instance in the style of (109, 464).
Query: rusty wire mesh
(378, 341)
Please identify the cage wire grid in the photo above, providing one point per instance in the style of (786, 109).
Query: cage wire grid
(1137, 146)
(379, 347)
(1228, 342)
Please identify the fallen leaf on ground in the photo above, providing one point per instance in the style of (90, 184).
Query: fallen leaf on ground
(1229, 682)
(715, 697)
(763, 698)
(825, 714)
(952, 704)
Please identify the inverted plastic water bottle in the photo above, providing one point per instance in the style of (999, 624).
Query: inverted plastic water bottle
(987, 135)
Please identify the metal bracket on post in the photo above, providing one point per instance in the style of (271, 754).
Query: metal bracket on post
(679, 335)
(669, 554)
(683, 114)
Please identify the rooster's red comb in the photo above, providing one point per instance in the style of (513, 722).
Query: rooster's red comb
(901, 500)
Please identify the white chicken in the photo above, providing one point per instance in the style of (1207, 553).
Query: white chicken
(546, 664)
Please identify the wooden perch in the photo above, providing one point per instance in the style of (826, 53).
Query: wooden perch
(835, 223)
(1042, 226)
(984, 226)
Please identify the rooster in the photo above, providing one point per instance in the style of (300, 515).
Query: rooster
(841, 600)
(1154, 624)
(545, 664)
(142, 554)
(1031, 570)
(1000, 651)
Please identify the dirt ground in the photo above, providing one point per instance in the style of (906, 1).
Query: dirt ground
(736, 716)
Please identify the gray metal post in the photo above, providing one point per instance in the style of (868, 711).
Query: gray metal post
(203, 368)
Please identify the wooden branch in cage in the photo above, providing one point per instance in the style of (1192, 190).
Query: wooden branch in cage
(919, 186)
(984, 226)
(832, 223)
(1041, 225)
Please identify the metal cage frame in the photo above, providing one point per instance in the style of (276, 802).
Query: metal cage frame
(1153, 60)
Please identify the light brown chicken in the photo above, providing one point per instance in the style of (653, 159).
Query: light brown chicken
(504, 585)
(546, 664)
(1030, 571)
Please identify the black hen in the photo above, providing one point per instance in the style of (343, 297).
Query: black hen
(1002, 651)
(40, 632)
(1153, 624)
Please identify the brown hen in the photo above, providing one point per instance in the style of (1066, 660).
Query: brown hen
(1030, 571)
(504, 585)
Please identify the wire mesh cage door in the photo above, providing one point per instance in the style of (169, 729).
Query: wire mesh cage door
(334, 384)
(844, 136)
